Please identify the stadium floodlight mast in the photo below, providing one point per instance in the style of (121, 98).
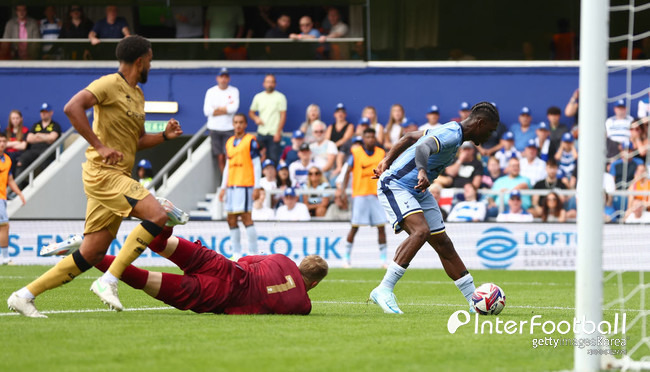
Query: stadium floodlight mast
(594, 46)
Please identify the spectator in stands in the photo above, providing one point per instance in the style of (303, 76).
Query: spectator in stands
(337, 27)
(466, 169)
(470, 209)
(550, 182)
(362, 125)
(312, 115)
(433, 118)
(290, 152)
(639, 137)
(515, 212)
(76, 26)
(21, 26)
(553, 209)
(409, 125)
(16, 134)
(532, 167)
(341, 131)
(299, 169)
(555, 128)
(341, 165)
(523, 130)
(189, 21)
(493, 173)
(261, 210)
(494, 143)
(543, 142)
(436, 190)
(292, 210)
(641, 182)
(111, 27)
(463, 112)
(571, 108)
(307, 30)
(394, 126)
(50, 27)
(145, 174)
(318, 203)
(39, 138)
(281, 30)
(339, 210)
(283, 181)
(508, 151)
(323, 150)
(371, 113)
(624, 168)
(618, 126)
(513, 181)
(7, 180)
(567, 158)
(637, 213)
(269, 111)
(269, 182)
(224, 22)
(643, 108)
(610, 214)
(220, 104)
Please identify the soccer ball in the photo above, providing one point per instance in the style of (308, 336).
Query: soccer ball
(488, 299)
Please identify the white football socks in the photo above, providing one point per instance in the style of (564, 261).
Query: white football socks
(251, 233)
(466, 286)
(393, 274)
(109, 278)
(235, 241)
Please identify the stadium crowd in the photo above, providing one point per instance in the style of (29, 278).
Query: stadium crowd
(186, 22)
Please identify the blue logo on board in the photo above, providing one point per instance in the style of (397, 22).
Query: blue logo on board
(497, 248)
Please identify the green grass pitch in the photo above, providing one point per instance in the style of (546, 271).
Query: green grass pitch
(343, 332)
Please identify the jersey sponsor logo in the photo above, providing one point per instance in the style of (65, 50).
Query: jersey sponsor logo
(133, 114)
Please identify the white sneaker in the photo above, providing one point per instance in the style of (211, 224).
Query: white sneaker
(7, 261)
(175, 216)
(385, 298)
(23, 306)
(63, 248)
(107, 292)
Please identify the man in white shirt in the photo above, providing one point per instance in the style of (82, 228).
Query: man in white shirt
(515, 212)
(220, 105)
(531, 166)
(299, 169)
(637, 213)
(323, 150)
(618, 126)
(469, 210)
(292, 210)
(433, 118)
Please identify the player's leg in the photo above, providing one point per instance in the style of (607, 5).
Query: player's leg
(92, 251)
(383, 248)
(133, 276)
(349, 242)
(453, 265)
(439, 240)
(235, 235)
(4, 242)
(251, 232)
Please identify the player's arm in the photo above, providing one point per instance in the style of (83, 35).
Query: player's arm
(233, 106)
(224, 182)
(398, 148)
(347, 168)
(257, 168)
(14, 187)
(75, 110)
(172, 130)
(425, 149)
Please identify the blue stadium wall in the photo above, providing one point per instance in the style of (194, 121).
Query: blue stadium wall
(416, 88)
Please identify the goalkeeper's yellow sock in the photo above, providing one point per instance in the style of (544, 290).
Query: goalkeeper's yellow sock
(63, 272)
(135, 244)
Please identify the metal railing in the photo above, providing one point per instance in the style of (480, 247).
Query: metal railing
(184, 153)
(55, 147)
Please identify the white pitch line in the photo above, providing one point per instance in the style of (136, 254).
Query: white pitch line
(314, 302)
(95, 310)
(442, 282)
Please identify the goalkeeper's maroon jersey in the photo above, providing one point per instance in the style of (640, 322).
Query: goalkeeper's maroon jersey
(271, 285)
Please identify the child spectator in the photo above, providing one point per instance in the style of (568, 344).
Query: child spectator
(508, 151)
(567, 158)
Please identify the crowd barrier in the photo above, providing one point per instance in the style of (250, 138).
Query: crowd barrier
(481, 245)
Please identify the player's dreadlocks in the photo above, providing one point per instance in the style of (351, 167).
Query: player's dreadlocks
(487, 110)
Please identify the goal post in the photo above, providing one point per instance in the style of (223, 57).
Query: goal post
(594, 46)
